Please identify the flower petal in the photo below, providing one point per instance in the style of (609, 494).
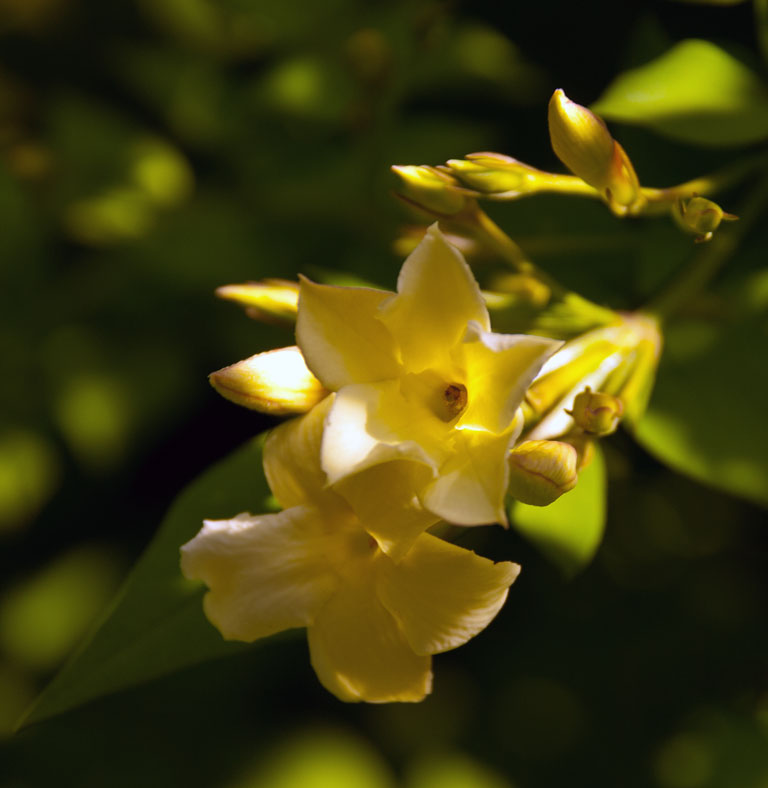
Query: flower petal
(292, 460)
(359, 652)
(373, 423)
(443, 595)
(340, 336)
(437, 296)
(265, 573)
(472, 483)
(385, 500)
(499, 368)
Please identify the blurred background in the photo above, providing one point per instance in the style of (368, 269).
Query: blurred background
(152, 150)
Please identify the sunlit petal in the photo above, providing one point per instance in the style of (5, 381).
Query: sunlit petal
(373, 423)
(473, 481)
(340, 336)
(359, 652)
(292, 459)
(277, 382)
(498, 368)
(443, 595)
(265, 573)
(385, 499)
(436, 297)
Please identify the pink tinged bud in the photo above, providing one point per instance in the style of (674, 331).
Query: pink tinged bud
(541, 471)
(597, 413)
(581, 140)
(701, 217)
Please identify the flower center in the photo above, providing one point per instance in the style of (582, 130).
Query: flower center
(430, 388)
(455, 400)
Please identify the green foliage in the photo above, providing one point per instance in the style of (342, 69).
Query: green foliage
(706, 415)
(156, 624)
(570, 530)
(696, 92)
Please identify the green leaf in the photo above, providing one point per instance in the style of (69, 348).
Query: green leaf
(156, 624)
(707, 412)
(569, 530)
(695, 92)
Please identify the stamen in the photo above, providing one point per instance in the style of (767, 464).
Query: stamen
(455, 399)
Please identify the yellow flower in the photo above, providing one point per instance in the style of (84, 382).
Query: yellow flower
(372, 623)
(420, 378)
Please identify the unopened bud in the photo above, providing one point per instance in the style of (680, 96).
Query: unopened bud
(273, 300)
(581, 140)
(701, 217)
(541, 471)
(276, 382)
(597, 413)
(495, 173)
(523, 288)
(429, 189)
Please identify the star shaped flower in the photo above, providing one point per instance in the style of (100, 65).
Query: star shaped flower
(419, 378)
(372, 623)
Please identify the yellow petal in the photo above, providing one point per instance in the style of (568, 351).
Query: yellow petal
(292, 460)
(265, 573)
(498, 368)
(385, 500)
(359, 652)
(443, 595)
(340, 336)
(437, 296)
(373, 423)
(276, 382)
(472, 483)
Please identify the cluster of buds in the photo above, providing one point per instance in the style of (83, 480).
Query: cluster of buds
(600, 169)
(597, 380)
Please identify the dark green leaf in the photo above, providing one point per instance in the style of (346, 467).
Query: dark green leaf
(156, 624)
(569, 530)
(707, 413)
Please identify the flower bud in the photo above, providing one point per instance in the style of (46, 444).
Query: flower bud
(429, 189)
(701, 217)
(273, 300)
(495, 173)
(597, 413)
(583, 143)
(522, 289)
(276, 382)
(541, 471)
(581, 140)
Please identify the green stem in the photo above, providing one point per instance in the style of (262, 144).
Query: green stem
(656, 201)
(494, 237)
(660, 200)
(710, 258)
